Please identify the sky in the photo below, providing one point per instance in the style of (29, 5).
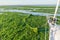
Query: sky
(27, 2)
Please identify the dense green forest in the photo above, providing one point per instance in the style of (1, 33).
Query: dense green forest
(18, 26)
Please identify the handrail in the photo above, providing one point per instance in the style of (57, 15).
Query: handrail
(56, 8)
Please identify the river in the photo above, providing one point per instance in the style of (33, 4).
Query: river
(28, 12)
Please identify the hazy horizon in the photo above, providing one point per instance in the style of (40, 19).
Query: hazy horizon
(28, 2)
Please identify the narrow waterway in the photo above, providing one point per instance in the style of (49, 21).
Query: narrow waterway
(29, 12)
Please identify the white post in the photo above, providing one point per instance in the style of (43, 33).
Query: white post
(45, 33)
(56, 8)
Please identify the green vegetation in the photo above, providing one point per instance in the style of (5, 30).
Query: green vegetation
(18, 26)
(43, 9)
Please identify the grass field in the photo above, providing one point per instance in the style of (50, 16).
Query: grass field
(19, 26)
(44, 9)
